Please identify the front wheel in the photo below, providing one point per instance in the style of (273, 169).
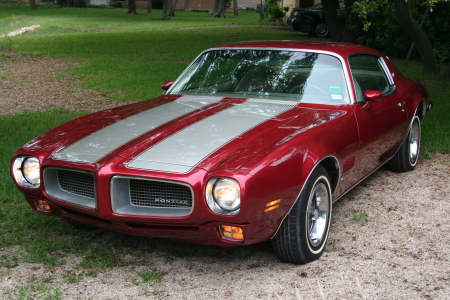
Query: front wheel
(304, 232)
(406, 158)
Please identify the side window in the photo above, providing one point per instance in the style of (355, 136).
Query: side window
(368, 74)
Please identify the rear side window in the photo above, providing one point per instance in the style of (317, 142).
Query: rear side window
(369, 74)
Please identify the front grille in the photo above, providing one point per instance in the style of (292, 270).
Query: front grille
(71, 186)
(77, 183)
(151, 197)
(159, 194)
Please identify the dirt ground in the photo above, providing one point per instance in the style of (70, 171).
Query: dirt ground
(399, 248)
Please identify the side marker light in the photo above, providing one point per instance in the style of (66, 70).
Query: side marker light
(272, 205)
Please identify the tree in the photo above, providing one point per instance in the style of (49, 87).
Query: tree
(221, 10)
(186, 5)
(412, 29)
(173, 4)
(339, 26)
(33, 4)
(261, 10)
(132, 7)
(339, 23)
(235, 8)
(165, 8)
(149, 6)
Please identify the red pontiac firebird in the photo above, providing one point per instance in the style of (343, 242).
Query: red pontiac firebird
(253, 142)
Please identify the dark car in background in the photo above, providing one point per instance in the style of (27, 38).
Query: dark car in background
(310, 20)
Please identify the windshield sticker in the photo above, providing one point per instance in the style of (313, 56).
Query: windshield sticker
(335, 89)
(339, 97)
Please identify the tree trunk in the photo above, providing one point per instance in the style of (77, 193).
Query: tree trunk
(221, 10)
(173, 4)
(165, 8)
(80, 3)
(70, 3)
(186, 5)
(235, 8)
(261, 11)
(149, 6)
(33, 4)
(338, 26)
(216, 6)
(347, 35)
(412, 29)
(132, 7)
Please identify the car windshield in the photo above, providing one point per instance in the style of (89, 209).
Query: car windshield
(265, 74)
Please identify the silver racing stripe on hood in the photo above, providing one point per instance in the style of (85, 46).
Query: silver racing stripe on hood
(98, 144)
(182, 151)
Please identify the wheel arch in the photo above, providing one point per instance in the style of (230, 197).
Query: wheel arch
(331, 165)
(421, 109)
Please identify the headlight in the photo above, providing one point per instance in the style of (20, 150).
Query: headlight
(26, 171)
(223, 196)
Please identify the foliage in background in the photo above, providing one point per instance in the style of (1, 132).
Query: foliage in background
(376, 26)
(275, 11)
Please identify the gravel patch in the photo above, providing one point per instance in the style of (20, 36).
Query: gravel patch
(389, 237)
(35, 83)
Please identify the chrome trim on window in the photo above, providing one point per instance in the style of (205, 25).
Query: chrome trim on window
(386, 71)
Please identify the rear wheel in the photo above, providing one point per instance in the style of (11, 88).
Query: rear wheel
(304, 232)
(320, 29)
(406, 158)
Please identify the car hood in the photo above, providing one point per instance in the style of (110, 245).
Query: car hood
(176, 134)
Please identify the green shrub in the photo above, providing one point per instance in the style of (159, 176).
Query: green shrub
(275, 11)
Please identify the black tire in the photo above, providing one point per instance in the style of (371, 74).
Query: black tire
(320, 29)
(296, 241)
(406, 158)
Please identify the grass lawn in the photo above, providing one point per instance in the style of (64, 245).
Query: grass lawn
(127, 57)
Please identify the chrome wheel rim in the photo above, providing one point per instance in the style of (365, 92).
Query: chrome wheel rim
(414, 142)
(318, 214)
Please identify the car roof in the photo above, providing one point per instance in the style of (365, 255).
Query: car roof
(343, 49)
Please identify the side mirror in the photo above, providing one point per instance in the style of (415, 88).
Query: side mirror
(166, 85)
(372, 96)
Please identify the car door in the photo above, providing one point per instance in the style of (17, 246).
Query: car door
(381, 124)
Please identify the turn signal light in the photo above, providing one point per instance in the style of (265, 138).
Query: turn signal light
(231, 233)
(272, 205)
(42, 205)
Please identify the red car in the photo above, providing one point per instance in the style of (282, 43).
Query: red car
(253, 142)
